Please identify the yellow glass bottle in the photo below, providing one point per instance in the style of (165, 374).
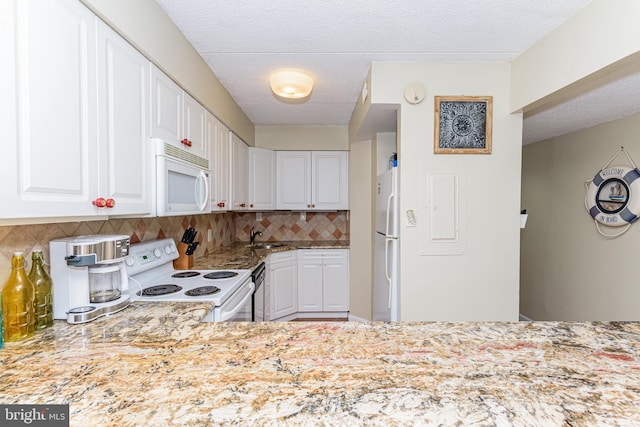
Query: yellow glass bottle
(42, 283)
(18, 299)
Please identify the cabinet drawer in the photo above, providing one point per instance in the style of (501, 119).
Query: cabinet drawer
(282, 256)
(322, 254)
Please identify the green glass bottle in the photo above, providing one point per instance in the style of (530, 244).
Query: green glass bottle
(43, 284)
(18, 299)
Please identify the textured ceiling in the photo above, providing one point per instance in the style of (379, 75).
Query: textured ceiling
(335, 41)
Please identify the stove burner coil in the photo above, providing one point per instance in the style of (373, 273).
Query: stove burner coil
(159, 290)
(220, 275)
(202, 291)
(183, 274)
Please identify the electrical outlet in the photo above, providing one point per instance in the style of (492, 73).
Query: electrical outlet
(258, 216)
(303, 216)
(209, 235)
(410, 218)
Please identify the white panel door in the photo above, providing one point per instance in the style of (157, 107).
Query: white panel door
(125, 152)
(310, 281)
(294, 180)
(194, 127)
(330, 180)
(262, 179)
(166, 108)
(335, 279)
(283, 288)
(240, 174)
(220, 164)
(50, 167)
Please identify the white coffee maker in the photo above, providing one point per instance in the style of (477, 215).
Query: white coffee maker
(89, 276)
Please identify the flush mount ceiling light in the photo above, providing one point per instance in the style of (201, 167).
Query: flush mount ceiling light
(291, 84)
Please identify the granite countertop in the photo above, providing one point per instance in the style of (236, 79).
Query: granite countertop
(156, 364)
(239, 256)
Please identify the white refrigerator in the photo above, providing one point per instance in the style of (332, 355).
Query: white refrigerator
(386, 302)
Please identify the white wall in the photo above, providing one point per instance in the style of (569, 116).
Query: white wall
(483, 283)
(361, 196)
(589, 48)
(302, 137)
(569, 271)
(385, 147)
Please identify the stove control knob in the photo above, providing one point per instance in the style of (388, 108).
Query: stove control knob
(167, 249)
(130, 261)
(173, 247)
(157, 252)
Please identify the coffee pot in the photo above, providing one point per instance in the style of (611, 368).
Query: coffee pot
(89, 276)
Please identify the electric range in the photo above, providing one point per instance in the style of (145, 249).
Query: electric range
(152, 277)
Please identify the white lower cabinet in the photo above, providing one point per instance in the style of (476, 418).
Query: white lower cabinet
(323, 280)
(282, 284)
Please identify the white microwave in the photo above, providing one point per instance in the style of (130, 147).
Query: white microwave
(182, 181)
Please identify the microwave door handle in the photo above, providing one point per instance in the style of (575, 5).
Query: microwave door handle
(203, 177)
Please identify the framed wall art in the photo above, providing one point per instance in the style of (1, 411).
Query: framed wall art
(463, 124)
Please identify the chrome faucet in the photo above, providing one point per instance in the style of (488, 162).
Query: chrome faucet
(252, 236)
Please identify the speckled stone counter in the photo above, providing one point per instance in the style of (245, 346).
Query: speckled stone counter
(154, 364)
(241, 256)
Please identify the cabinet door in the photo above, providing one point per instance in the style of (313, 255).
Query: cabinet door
(240, 173)
(125, 152)
(194, 127)
(262, 179)
(166, 108)
(309, 281)
(283, 288)
(49, 155)
(294, 180)
(335, 278)
(330, 180)
(220, 164)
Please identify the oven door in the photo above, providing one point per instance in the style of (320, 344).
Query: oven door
(236, 308)
(182, 189)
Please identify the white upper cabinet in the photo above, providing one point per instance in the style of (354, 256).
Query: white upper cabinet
(77, 119)
(262, 179)
(176, 117)
(313, 180)
(49, 159)
(240, 173)
(125, 152)
(194, 127)
(220, 149)
(330, 181)
(294, 180)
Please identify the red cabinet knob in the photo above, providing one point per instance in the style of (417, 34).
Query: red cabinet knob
(186, 142)
(110, 203)
(100, 202)
(221, 205)
(251, 205)
(243, 205)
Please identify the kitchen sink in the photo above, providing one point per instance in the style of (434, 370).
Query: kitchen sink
(266, 245)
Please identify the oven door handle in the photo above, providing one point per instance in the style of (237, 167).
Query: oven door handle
(236, 307)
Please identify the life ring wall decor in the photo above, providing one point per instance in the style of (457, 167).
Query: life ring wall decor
(613, 196)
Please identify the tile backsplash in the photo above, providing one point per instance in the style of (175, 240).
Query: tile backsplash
(288, 226)
(227, 228)
(26, 238)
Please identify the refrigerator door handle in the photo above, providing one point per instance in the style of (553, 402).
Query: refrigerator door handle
(386, 267)
(386, 227)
